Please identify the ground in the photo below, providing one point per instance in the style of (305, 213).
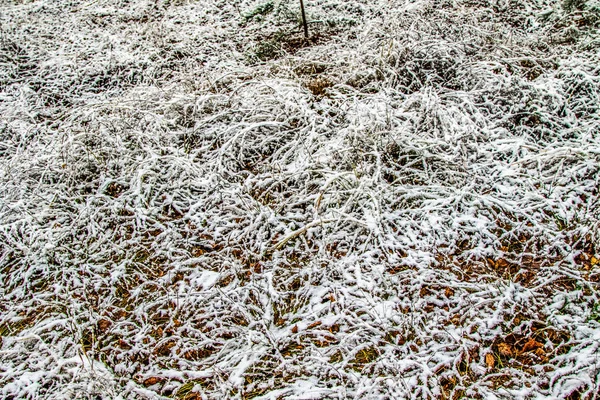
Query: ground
(196, 202)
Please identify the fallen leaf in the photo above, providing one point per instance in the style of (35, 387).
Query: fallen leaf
(103, 325)
(594, 261)
(489, 360)
(153, 380)
(541, 354)
(295, 329)
(505, 349)
(532, 344)
(455, 319)
(314, 325)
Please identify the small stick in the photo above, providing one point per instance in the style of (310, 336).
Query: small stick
(299, 232)
(304, 20)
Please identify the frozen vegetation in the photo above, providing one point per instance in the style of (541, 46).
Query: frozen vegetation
(195, 203)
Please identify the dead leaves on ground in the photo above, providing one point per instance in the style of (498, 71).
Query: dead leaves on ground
(527, 350)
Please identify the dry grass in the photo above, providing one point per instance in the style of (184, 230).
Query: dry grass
(197, 203)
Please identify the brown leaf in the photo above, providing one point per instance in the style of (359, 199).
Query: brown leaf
(490, 360)
(295, 329)
(455, 319)
(532, 344)
(505, 349)
(541, 354)
(164, 349)
(153, 380)
(314, 325)
(103, 325)
(192, 396)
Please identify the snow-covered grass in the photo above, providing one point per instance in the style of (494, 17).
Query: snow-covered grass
(197, 204)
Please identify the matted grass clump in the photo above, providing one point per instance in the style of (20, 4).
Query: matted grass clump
(197, 203)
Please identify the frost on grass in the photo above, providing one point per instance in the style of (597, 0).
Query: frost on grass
(197, 203)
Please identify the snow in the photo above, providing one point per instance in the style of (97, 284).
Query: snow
(184, 209)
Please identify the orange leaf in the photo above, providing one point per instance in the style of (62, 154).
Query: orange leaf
(314, 325)
(505, 349)
(153, 380)
(489, 360)
(532, 344)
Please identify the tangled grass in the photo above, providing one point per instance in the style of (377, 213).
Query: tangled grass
(197, 203)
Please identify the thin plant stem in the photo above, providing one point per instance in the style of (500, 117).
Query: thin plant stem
(304, 23)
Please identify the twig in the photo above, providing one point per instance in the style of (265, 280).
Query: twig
(299, 232)
(304, 23)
